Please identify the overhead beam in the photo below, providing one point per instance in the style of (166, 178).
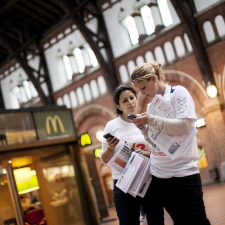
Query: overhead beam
(23, 63)
(98, 39)
(186, 11)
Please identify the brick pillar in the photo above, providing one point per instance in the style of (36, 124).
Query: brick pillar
(214, 115)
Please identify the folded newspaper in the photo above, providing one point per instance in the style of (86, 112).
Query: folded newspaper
(135, 170)
(136, 177)
(172, 146)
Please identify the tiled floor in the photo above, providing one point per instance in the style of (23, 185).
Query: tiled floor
(214, 197)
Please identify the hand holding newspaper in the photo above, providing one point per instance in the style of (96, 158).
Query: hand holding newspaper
(172, 146)
(134, 167)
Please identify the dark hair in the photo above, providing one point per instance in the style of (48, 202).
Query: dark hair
(118, 91)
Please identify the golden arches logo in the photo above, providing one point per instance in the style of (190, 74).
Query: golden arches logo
(56, 122)
(85, 140)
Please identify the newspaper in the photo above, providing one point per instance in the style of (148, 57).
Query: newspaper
(141, 182)
(121, 156)
(136, 176)
(172, 146)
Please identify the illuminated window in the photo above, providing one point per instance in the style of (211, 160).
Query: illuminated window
(129, 23)
(147, 19)
(23, 89)
(165, 12)
(79, 59)
(68, 67)
(93, 59)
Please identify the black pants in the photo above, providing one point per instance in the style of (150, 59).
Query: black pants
(182, 197)
(128, 208)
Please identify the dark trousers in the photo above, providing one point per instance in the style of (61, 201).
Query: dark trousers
(128, 208)
(182, 197)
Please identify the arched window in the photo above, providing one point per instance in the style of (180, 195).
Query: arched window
(149, 57)
(102, 85)
(159, 55)
(209, 32)
(80, 96)
(124, 76)
(59, 101)
(87, 92)
(140, 60)
(68, 67)
(170, 55)
(179, 46)
(165, 12)
(147, 19)
(66, 101)
(131, 65)
(79, 59)
(94, 89)
(73, 99)
(220, 25)
(130, 25)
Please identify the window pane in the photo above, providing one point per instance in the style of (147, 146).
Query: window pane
(130, 25)
(79, 59)
(68, 68)
(94, 61)
(87, 92)
(94, 89)
(66, 101)
(102, 85)
(80, 96)
(209, 32)
(165, 12)
(73, 99)
(147, 19)
(26, 85)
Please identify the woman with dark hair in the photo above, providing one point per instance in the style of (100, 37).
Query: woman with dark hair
(122, 129)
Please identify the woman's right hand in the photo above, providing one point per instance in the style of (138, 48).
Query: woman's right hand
(112, 142)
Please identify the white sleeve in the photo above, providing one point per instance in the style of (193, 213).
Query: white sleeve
(144, 132)
(183, 104)
(170, 126)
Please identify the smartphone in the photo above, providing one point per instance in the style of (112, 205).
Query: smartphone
(131, 116)
(108, 135)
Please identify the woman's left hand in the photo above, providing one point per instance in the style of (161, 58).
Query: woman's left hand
(143, 152)
(141, 120)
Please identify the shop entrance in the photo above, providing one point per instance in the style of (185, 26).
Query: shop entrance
(40, 189)
(43, 179)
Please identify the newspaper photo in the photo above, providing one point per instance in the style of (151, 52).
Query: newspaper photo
(121, 156)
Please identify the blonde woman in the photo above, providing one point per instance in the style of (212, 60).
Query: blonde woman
(176, 183)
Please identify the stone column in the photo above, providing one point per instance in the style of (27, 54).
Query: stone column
(214, 115)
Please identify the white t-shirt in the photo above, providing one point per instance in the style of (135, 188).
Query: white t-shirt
(163, 166)
(124, 131)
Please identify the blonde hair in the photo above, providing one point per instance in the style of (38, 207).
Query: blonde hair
(145, 71)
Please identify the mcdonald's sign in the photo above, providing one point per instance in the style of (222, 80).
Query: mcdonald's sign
(85, 140)
(54, 125)
(97, 152)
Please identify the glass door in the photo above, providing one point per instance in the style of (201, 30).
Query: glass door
(60, 195)
(43, 185)
(7, 212)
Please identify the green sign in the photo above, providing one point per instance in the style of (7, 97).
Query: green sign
(54, 124)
